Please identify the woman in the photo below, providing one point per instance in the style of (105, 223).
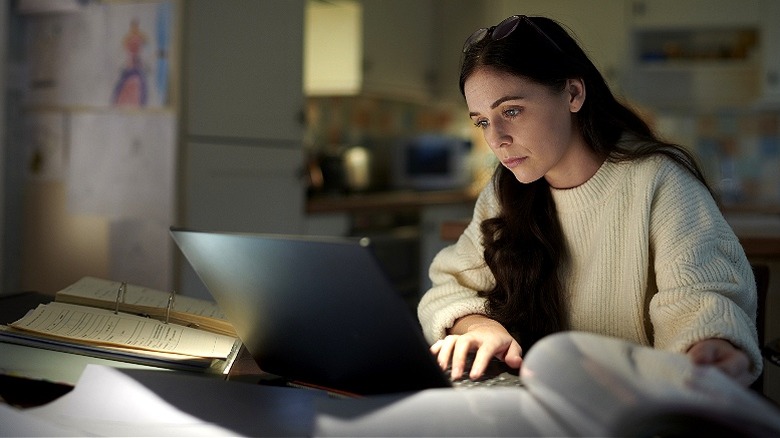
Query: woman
(590, 223)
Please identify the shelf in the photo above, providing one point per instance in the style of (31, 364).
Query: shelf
(695, 67)
(710, 44)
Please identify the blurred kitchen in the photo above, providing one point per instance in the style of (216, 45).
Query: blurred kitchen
(335, 117)
(704, 72)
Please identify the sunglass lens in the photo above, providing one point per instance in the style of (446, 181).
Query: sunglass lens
(474, 38)
(506, 27)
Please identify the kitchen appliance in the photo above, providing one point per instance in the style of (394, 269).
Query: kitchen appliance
(357, 168)
(432, 162)
(341, 169)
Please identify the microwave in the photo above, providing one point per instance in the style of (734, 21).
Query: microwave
(432, 162)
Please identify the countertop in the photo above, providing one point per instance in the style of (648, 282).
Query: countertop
(411, 199)
(387, 201)
(759, 234)
(757, 226)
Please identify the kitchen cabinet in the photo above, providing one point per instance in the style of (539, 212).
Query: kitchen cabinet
(333, 48)
(392, 58)
(404, 227)
(243, 69)
(243, 103)
(453, 23)
(242, 152)
(433, 220)
(397, 44)
(11, 229)
(770, 62)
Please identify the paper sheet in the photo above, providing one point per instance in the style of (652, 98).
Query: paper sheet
(122, 165)
(106, 327)
(597, 384)
(16, 423)
(110, 402)
(509, 412)
(135, 403)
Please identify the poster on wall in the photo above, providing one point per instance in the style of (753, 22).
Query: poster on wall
(103, 55)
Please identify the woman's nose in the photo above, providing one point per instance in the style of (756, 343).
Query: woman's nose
(496, 138)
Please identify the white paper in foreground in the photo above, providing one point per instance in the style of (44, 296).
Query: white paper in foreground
(111, 402)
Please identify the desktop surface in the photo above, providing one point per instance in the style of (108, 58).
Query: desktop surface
(23, 391)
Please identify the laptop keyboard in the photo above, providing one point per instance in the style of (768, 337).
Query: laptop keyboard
(502, 380)
(497, 374)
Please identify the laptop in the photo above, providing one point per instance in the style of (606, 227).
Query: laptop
(314, 310)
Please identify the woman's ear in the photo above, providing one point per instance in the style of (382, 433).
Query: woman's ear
(576, 90)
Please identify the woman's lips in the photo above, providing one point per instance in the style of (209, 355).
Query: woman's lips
(512, 162)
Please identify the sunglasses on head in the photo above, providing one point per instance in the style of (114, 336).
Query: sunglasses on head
(503, 30)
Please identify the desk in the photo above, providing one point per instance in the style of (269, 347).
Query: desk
(577, 384)
(16, 390)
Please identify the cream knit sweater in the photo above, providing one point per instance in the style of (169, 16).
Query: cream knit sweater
(652, 260)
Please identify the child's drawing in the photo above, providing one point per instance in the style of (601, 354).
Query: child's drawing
(130, 89)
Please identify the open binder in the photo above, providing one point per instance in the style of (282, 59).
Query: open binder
(101, 325)
(123, 297)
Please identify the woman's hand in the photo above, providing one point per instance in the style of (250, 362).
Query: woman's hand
(723, 355)
(476, 332)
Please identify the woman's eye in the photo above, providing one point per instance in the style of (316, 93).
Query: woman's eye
(511, 112)
(481, 123)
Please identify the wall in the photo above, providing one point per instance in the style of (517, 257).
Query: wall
(91, 155)
(3, 57)
(739, 150)
(59, 247)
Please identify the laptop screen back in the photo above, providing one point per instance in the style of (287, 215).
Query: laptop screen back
(316, 310)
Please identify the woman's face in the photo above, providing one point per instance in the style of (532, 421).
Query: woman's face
(530, 127)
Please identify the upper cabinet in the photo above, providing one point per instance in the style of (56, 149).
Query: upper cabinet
(370, 47)
(770, 62)
(332, 48)
(242, 69)
(452, 24)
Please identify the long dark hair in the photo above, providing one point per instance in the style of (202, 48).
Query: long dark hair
(524, 244)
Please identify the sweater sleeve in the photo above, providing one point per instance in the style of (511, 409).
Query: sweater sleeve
(706, 287)
(457, 273)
